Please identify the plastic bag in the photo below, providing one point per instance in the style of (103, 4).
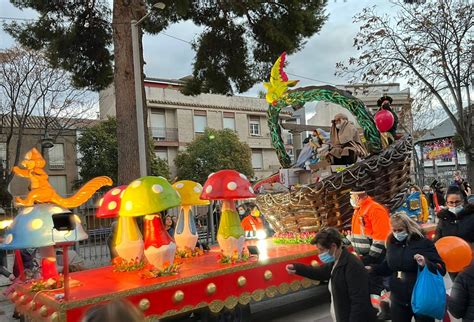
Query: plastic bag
(429, 295)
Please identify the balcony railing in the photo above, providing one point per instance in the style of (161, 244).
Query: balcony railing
(57, 165)
(164, 133)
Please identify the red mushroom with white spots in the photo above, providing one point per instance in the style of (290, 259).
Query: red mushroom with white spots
(128, 240)
(228, 185)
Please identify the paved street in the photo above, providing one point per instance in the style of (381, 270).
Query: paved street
(310, 305)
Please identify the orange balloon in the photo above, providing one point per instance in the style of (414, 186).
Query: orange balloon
(455, 252)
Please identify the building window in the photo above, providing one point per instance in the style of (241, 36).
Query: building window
(56, 156)
(162, 153)
(229, 121)
(158, 124)
(3, 152)
(200, 121)
(59, 184)
(254, 124)
(257, 159)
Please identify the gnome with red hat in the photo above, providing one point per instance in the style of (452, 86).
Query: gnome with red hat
(386, 119)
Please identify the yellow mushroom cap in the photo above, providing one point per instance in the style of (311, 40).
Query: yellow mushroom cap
(190, 193)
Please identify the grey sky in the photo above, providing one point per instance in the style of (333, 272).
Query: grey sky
(166, 57)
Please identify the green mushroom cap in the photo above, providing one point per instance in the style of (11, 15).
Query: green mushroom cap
(148, 195)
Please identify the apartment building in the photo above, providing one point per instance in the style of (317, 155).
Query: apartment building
(174, 120)
(59, 148)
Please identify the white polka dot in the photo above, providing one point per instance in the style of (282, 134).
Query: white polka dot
(9, 239)
(209, 189)
(115, 192)
(197, 189)
(210, 175)
(101, 201)
(135, 183)
(179, 185)
(251, 190)
(232, 185)
(121, 195)
(26, 211)
(243, 176)
(128, 205)
(112, 205)
(56, 210)
(157, 188)
(36, 224)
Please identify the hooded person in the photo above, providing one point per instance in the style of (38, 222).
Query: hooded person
(346, 144)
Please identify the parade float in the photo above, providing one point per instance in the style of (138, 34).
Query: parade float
(207, 284)
(141, 272)
(384, 173)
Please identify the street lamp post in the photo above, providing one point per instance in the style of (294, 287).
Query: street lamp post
(137, 71)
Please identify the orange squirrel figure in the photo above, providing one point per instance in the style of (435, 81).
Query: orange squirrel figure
(41, 189)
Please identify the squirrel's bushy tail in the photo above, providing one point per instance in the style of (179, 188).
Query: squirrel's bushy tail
(84, 193)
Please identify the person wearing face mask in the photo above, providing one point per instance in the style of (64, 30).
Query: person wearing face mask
(242, 210)
(369, 230)
(407, 252)
(348, 280)
(458, 219)
(346, 145)
(370, 227)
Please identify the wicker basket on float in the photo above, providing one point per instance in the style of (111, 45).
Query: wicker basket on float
(385, 177)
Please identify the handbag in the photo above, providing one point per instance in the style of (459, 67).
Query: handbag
(429, 294)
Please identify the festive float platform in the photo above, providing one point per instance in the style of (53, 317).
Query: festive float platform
(202, 282)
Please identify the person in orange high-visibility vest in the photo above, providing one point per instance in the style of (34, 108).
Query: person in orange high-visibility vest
(253, 222)
(370, 227)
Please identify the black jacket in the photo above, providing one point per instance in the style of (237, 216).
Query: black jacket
(349, 287)
(461, 301)
(460, 225)
(402, 268)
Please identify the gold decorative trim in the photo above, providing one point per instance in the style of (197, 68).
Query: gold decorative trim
(178, 296)
(306, 282)
(55, 317)
(173, 283)
(295, 285)
(218, 305)
(314, 263)
(231, 302)
(245, 298)
(23, 299)
(43, 311)
(283, 288)
(241, 281)
(211, 288)
(271, 291)
(268, 275)
(144, 304)
(258, 295)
